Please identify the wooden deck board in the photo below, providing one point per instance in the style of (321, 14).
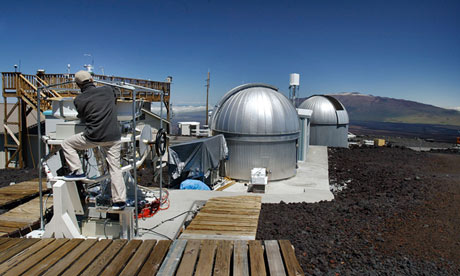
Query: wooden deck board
(256, 258)
(292, 265)
(223, 258)
(171, 262)
(23, 216)
(156, 257)
(233, 218)
(122, 258)
(274, 260)
(24, 255)
(64, 263)
(84, 261)
(104, 258)
(54, 257)
(10, 252)
(240, 259)
(19, 191)
(36, 257)
(187, 265)
(206, 258)
(139, 258)
(149, 257)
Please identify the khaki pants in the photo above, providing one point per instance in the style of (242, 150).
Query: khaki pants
(112, 151)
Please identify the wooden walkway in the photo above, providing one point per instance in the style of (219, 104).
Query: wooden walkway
(20, 191)
(22, 219)
(149, 257)
(226, 218)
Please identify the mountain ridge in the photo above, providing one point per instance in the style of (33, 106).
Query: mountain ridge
(364, 107)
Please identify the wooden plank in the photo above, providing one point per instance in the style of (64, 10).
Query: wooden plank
(240, 259)
(85, 260)
(274, 260)
(169, 266)
(12, 224)
(187, 265)
(226, 228)
(256, 258)
(104, 258)
(10, 252)
(221, 232)
(226, 186)
(249, 205)
(117, 264)
(206, 259)
(252, 223)
(227, 216)
(12, 242)
(230, 211)
(156, 257)
(215, 237)
(53, 258)
(36, 257)
(64, 263)
(25, 254)
(136, 262)
(3, 240)
(223, 258)
(292, 265)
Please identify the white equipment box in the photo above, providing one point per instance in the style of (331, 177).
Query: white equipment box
(259, 176)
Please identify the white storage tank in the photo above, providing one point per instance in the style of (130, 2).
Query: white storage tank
(261, 128)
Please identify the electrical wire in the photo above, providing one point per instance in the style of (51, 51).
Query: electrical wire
(105, 223)
(156, 233)
(171, 219)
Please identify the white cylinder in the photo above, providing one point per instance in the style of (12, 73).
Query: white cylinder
(294, 79)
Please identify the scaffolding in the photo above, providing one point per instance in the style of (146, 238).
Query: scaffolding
(21, 91)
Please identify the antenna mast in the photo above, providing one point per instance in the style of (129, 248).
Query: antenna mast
(207, 97)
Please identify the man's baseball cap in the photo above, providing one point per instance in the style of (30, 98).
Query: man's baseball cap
(82, 77)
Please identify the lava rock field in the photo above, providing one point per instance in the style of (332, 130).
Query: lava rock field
(395, 212)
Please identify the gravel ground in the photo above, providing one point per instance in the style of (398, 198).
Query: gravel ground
(12, 175)
(396, 214)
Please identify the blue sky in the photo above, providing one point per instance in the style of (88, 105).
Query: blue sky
(400, 49)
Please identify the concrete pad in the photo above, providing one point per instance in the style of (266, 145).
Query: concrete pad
(311, 184)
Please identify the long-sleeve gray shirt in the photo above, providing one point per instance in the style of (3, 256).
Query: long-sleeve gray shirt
(97, 108)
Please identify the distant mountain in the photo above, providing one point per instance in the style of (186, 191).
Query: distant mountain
(363, 107)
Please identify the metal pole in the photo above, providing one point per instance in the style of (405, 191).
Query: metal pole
(42, 226)
(134, 161)
(207, 97)
(161, 156)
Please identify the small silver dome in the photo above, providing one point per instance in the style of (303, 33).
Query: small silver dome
(255, 109)
(327, 110)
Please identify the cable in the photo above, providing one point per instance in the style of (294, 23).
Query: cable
(105, 223)
(172, 218)
(154, 232)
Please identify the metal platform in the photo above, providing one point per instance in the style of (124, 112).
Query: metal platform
(149, 257)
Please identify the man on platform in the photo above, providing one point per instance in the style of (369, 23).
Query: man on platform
(97, 109)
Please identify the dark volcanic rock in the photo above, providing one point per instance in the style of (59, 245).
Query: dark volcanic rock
(377, 224)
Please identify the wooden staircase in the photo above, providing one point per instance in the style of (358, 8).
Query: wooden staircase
(21, 90)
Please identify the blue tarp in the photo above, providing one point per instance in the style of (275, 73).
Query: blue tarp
(191, 184)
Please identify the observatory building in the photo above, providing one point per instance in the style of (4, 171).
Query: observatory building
(261, 127)
(329, 121)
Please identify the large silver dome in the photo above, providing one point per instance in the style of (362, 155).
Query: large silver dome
(261, 127)
(327, 110)
(255, 109)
